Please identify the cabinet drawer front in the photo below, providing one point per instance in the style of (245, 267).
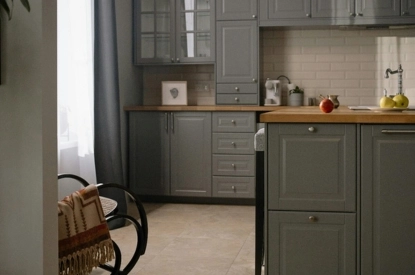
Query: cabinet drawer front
(233, 187)
(312, 170)
(238, 143)
(236, 122)
(233, 165)
(311, 243)
(237, 88)
(237, 99)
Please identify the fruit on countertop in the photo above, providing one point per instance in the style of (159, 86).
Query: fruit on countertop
(386, 102)
(401, 101)
(326, 105)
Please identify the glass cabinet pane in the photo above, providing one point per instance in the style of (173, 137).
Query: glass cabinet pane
(147, 23)
(147, 46)
(147, 5)
(203, 21)
(187, 21)
(188, 45)
(187, 5)
(163, 5)
(203, 4)
(203, 44)
(163, 22)
(163, 46)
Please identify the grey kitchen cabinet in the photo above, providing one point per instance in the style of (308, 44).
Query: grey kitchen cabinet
(170, 153)
(311, 187)
(236, 10)
(174, 31)
(387, 199)
(312, 167)
(335, 12)
(237, 63)
(233, 155)
(311, 243)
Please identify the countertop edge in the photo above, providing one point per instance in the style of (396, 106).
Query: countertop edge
(217, 108)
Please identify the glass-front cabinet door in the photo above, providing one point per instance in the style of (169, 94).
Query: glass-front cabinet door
(195, 30)
(174, 31)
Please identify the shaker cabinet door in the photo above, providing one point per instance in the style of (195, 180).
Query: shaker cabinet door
(313, 243)
(312, 167)
(236, 10)
(387, 199)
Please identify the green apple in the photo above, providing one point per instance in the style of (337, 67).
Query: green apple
(386, 102)
(401, 101)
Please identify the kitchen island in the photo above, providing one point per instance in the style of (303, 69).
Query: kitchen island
(339, 191)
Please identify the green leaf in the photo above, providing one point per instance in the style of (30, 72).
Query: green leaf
(5, 6)
(26, 4)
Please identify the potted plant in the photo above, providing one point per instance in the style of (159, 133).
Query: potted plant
(295, 97)
(9, 9)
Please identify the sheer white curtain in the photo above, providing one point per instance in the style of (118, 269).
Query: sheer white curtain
(76, 88)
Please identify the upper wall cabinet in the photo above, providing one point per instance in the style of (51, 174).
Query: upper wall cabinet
(336, 12)
(236, 10)
(174, 31)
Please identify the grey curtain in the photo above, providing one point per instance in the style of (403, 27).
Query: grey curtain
(108, 159)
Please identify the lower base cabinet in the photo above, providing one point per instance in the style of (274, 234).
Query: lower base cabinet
(311, 243)
(388, 199)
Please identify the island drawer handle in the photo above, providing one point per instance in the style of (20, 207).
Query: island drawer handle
(386, 131)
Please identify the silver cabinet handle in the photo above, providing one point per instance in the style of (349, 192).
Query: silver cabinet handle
(253, 79)
(166, 122)
(236, 99)
(360, 14)
(312, 218)
(233, 121)
(308, 15)
(312, 129)
(178, 60)
(233, 143)
(233, 165)
(387, 131)
(236, 88)
(172, 122)
(352, 14)
(254, 16)
(233, 187)
(172, 60)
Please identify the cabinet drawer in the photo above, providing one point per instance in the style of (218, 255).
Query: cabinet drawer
(233, 165)
(236, 122)
(237, 88)
(237, 99)
(313, 129)
(233, 143)
(311, 243)
(233, 187)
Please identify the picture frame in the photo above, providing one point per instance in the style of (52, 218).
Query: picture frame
(174, 92)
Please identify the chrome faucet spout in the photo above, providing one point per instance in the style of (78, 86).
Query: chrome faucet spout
(399, 71)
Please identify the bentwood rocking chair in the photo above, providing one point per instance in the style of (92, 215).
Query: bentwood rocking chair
(76, 245)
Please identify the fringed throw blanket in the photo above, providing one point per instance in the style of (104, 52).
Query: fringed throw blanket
(84, 238)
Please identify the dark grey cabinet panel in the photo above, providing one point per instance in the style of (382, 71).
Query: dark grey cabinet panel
(312, 167)
(378, 8)
(149, 153)
(408, 8)
(311, 243)
(283, 9)
(237, 50)
(170, 153)
(191, 154)
(387, 199)
(236, 10)
(332, 8)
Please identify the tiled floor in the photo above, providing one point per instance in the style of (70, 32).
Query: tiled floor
(193, 239)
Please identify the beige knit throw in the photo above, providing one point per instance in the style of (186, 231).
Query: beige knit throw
(84, 238)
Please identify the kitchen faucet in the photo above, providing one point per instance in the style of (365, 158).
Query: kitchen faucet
(399, 70)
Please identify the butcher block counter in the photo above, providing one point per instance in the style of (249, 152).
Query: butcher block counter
(306, 114)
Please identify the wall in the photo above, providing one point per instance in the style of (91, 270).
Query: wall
(200, 82)
(350, 63)
(28, 220)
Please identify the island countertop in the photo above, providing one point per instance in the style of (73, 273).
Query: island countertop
(306, 114)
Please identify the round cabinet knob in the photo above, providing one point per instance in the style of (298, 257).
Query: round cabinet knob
(254, 16)
(233, 187)
(352, 14)
(312, 129)
(233, 143)
(253, 79)
(172, 60)
(405, 13)
(236, 99)
(360, 14)
(236, 88)
(178, 60)
(308, 15)
(312, 218)
(233, 165)
(233, 121)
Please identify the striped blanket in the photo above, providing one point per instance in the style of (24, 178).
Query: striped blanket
(84, 238)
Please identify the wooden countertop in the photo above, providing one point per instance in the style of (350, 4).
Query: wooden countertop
(217, 108)
(341, 115)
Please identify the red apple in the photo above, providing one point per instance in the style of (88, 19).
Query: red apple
(326, 105)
